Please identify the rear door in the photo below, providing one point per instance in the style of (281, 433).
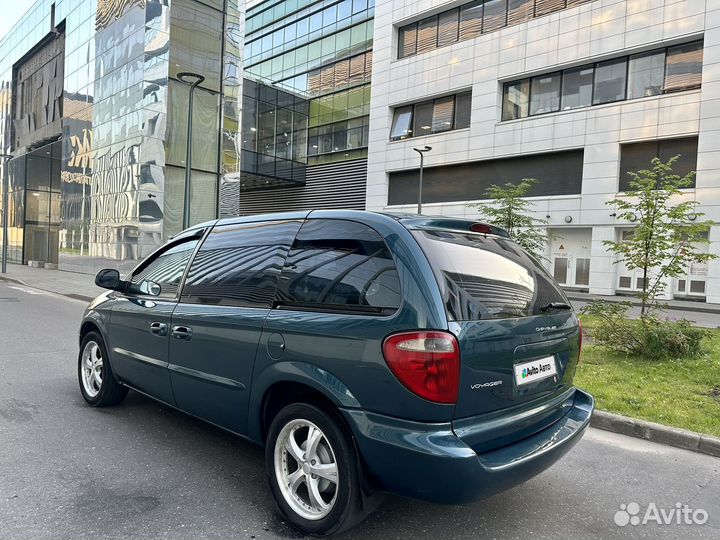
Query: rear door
(518, 341)
(228, 292)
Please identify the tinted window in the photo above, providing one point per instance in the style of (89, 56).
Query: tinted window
(645, 74)
(559, 173)
(340, 265)
(545, 94)
(401, 123)
(516, 98)
(487, 278)
(240, 264)
(638, 156)
(408, 40)
(684, 66)
(165, 270)
(577, 88)
(610, 81)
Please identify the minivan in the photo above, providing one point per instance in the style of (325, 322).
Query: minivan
(368, 353)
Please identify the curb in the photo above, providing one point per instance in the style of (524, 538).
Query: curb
(650, 431)
(700, 308)
(68, 295)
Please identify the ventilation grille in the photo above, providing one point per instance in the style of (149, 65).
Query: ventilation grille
(334, 185)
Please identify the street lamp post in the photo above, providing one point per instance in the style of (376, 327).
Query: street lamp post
(421, 151)
(5, 192)
(193, 79)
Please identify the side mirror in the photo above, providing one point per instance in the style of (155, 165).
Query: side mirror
(150, 288)
(109, 279)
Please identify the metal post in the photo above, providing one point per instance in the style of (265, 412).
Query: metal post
(6, 194)
(421, 151)
(188, 157)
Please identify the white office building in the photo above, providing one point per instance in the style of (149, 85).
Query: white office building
(571, 92)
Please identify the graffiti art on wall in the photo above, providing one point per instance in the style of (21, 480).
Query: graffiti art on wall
(110, 10)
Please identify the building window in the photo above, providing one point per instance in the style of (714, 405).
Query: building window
(630, 77)
(610, 81)
(448, 27)
(401, 123)
(516, 99)
(471, 20)
(433, 116)
(427, 34)
(577, 88)
(494, 15)
(408, 40)
(645, 74)
(545, 94)
(559, 173)
(638, 156)
(684, 67)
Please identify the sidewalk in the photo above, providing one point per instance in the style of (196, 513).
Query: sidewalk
(72, 284)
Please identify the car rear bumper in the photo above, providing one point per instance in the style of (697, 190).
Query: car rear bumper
(428, 461)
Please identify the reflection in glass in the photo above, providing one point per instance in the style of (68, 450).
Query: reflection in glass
(646, 74)
(577, 88)
(610, 81)
(545, 94)
(516, 99)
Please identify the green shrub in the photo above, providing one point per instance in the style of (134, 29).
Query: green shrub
(649, 336)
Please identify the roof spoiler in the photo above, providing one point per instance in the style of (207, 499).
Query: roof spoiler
(463, 225)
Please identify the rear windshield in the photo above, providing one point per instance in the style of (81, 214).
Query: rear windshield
(487, 277)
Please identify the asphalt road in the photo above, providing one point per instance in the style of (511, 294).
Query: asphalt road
(142, 470)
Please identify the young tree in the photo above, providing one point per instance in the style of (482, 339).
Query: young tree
(510, 210)
(662, 243)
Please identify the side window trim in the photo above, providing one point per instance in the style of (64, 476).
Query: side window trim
(201, 241)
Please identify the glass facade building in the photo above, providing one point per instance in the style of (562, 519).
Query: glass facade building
(94, 114)
(95, 118)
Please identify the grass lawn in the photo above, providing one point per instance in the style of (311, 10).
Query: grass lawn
(678, 393)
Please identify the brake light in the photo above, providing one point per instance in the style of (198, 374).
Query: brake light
(426, 363)
(580, 339)
(481, 228)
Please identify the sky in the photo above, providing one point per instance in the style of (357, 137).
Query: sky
(12, 10)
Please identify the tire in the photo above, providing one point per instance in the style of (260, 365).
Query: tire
(334, 444)
(101, 389)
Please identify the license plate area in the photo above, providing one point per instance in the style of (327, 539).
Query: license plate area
(540, 369)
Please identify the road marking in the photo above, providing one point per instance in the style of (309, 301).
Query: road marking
(39, 292)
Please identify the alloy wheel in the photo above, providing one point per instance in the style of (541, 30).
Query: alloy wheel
(92, 364)
(306, 469)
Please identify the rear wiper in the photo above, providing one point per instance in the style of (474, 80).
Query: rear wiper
(556, 305)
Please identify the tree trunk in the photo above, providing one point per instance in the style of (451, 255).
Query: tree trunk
(643, 300)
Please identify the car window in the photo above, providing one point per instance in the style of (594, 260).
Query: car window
(340, 265)
(240, 264)
(487, 277)
(165, 270)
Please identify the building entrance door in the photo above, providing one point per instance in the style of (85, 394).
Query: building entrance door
(570, 256)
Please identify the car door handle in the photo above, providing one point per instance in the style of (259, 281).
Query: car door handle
(159, 328)
(182, 332)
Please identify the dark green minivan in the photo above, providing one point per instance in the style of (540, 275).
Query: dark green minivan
(368, 353)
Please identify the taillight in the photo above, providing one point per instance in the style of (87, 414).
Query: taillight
(580, 340)
(427, 363)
